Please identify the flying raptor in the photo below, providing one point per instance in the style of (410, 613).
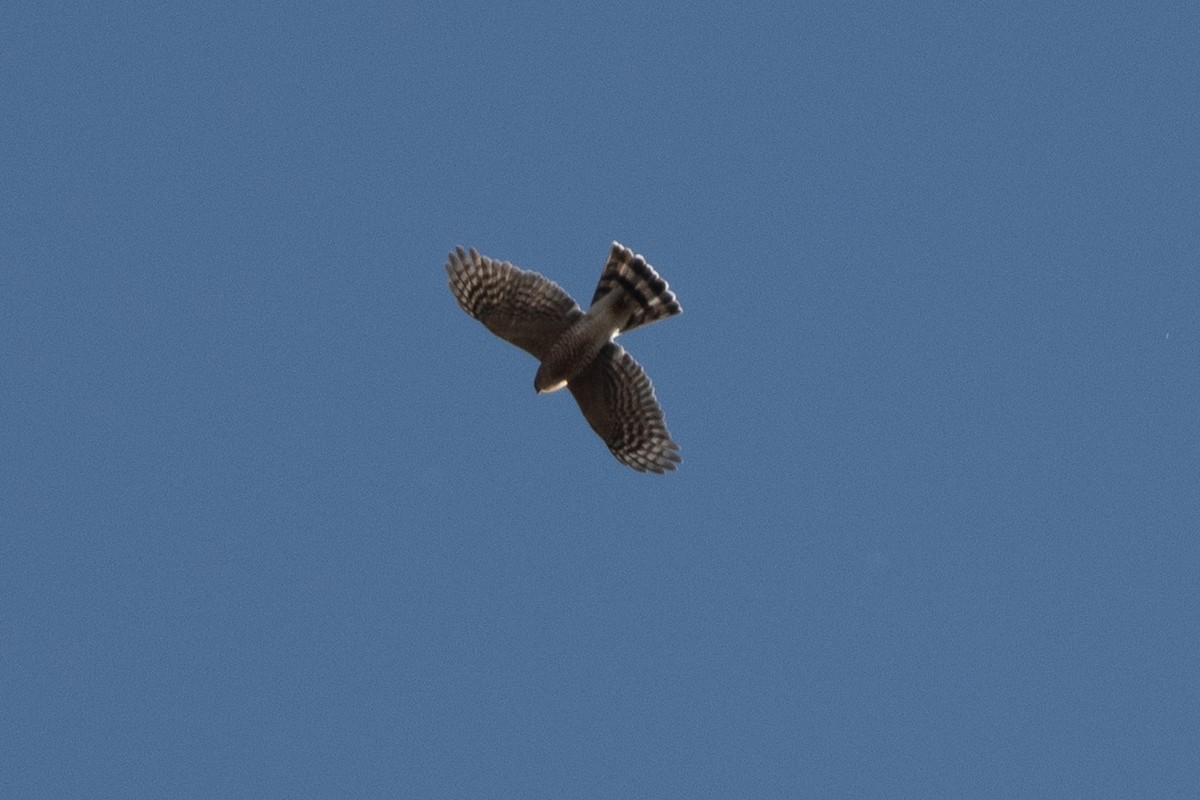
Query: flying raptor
(576, 348)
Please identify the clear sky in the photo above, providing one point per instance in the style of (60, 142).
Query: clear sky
(277, 519)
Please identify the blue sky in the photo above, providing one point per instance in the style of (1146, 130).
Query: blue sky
(279, 520)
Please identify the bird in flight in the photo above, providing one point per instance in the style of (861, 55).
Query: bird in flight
(576, 348)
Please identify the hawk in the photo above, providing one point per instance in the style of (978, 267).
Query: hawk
(576, 348)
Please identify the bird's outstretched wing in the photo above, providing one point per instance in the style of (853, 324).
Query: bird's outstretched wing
(617, 399)
(519, 306)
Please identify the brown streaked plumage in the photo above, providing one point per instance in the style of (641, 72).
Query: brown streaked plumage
(577, 348)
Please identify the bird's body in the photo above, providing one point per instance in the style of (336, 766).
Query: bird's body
(577, 348)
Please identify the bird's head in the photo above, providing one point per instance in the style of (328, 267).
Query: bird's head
(544, 382)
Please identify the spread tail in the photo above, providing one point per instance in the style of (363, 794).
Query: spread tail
(650, 297)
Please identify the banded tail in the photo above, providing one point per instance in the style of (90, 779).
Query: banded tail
(650, 297)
